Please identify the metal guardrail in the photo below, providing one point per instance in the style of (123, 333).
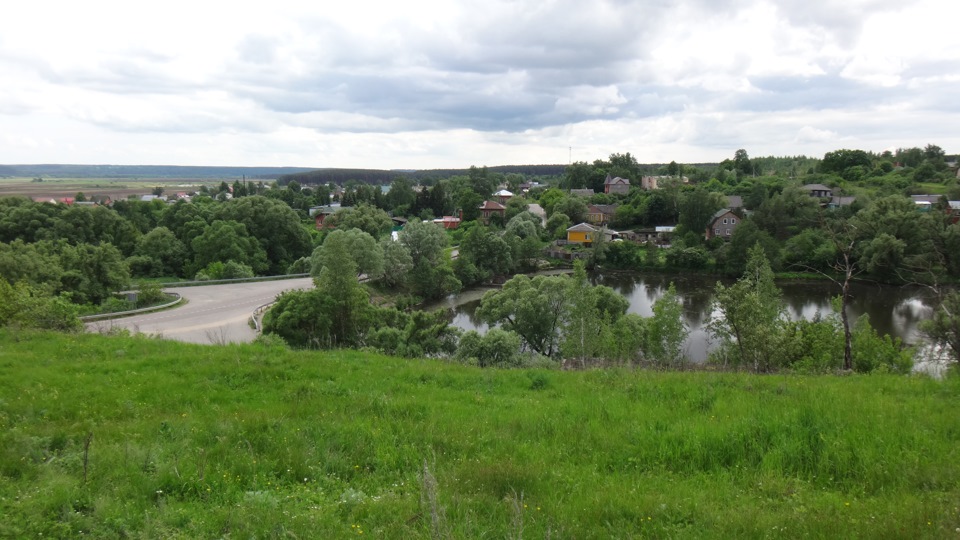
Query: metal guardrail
(118, 314)
(258, 313)
(233, 280)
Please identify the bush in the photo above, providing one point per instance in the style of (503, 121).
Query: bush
(872, 352)
(498, 348)
(150, 294)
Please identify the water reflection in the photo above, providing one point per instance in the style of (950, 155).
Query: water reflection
(893, 310)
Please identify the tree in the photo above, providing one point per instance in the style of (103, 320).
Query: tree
(750, 316)
(349, 301)
(224, 241)
(582, 322)
(36, 264)
(666, 331)
(498, 348)
(274, 225)
(697, 207)
(741, 163)
(573, 207)
(25, 306)
(533, 308)
(744, 237)
(944, 327)
(93, 273)
(397, 262)
(162, 246)
(484, 254)
(365, 252)
(837, 162)
(302, 318)
(401, 197)
(431, 275)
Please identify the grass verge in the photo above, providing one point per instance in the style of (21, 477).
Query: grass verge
(131, 436)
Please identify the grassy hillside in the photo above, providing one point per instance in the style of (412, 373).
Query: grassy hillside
(247, 441)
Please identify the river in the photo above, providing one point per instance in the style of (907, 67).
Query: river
(893, 310)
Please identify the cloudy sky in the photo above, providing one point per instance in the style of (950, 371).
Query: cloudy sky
(427, 84)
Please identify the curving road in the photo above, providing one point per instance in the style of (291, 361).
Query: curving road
(213, 314)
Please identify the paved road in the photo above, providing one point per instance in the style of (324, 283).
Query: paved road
(213, 314)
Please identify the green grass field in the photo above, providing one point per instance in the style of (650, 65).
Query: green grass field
(188, 441)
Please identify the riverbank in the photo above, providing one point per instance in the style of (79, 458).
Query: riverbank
(125, 436)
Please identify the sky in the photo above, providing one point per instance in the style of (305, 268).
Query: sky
(438, 84)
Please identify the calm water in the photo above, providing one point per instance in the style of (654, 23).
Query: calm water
(892, 310)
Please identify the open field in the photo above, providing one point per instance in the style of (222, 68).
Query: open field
(115, 188)
(134, 437)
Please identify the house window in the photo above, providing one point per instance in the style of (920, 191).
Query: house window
(716, 232)
(733, 221)
(728, 232)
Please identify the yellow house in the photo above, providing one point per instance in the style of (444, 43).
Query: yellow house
(582, 234)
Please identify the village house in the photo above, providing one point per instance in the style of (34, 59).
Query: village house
(586, 234)
(503, 196)
(491, 208)
(617, 185)
(448, 222)
(320, 214)
(582, 233)
(722, 224)
(819, 191)
(601, 214)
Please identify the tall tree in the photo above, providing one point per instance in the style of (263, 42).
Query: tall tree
(365, 252)
(750, 315)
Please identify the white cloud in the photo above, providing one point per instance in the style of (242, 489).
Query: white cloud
(431, 83)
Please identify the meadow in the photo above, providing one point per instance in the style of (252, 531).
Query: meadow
(116, 188)
(118, 437)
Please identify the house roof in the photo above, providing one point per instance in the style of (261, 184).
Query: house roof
(503, 193)
(606, 209)
(734, 201)
(583, 227)
(615, 180)
(815, 187)
(925, 198)
(842, 201)
(492, 205)
(582, 192)
(720, 213)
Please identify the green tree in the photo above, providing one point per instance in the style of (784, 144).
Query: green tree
(431, 276)
(274, 225)
(93, 273)
(750, 316)
(666, 331)
(350, 302)
(228, 241)
(365, 252)
(697, 207)
(583, 325)
(162, 246)
(573, 207)
(26, 306)
(944, 327)
(484, 254)
(533, 308)
(745, 236)
(302, 318)
(401, 198)
(397, 262)
(497, 348)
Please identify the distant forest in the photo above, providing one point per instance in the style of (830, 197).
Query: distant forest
(146, 171)
(383, 177)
